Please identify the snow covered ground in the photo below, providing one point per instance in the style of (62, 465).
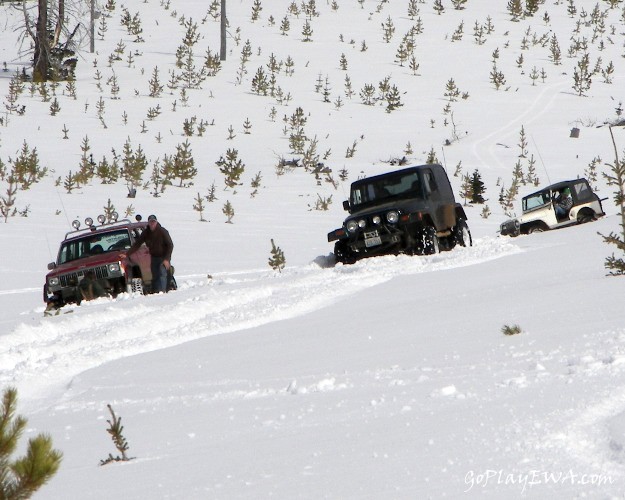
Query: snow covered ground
(390, 378)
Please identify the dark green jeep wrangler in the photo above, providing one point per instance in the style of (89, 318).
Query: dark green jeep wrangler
(412, 211)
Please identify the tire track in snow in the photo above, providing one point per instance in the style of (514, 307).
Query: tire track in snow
(539, 106)
(36, 357)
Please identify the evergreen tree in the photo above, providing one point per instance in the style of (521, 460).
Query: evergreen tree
(198, 206)
(228, 211)
(26, 167)
(477, 188)
(393, 99)
(183, 164)
(256, 8)
(20, 478)
(155, 85)
(232, 167)
(133, 165)
(307, 32)
(277, 261)
(109, 211)
(616, 178)
(515, 9)
(116, 430)
(582, 75)
(466, 188)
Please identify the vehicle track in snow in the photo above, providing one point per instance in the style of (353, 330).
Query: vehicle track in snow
(48, 352)
(489, 144)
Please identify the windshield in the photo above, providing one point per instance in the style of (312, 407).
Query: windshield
(93, 244)
(535, 200)
(387, 187)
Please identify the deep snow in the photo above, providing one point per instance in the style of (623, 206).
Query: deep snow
(390, 378)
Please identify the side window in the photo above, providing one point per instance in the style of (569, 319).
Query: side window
(356, 197)
(582, 191)
(429, 182)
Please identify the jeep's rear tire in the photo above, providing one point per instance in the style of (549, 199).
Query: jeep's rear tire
(535, 229)
(585, 215)
(462, 234)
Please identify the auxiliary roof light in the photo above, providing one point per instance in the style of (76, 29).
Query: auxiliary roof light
(101, 219)
(114, 216)
(76, 224)
(89, 221)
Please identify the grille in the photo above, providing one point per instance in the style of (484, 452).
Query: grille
(71, 279)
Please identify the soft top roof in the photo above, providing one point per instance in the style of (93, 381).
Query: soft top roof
(559, 185)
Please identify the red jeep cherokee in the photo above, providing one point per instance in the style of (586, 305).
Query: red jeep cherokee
(98, 248)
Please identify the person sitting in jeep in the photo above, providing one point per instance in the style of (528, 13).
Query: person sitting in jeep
(563, 203)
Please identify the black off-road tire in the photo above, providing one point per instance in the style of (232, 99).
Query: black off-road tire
(585, 215)
(344, 254)
(428, 242)
(462, 234)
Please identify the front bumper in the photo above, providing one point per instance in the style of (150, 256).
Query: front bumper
(65, 285)
(512, 227)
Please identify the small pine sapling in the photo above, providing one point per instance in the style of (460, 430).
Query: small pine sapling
(228, 211)
(255, 184)
(109, 211)
(115, 430)
(277, 261)
(198, 206)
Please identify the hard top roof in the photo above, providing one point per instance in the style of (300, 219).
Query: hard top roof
(367, 180)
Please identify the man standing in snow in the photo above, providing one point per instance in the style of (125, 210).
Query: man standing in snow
(160, 245)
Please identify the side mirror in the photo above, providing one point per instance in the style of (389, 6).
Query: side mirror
(51, 266)
(346, 205)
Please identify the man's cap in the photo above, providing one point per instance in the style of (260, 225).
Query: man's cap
(151, 218)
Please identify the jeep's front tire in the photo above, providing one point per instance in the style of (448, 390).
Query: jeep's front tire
(428, 242)
(344, 254)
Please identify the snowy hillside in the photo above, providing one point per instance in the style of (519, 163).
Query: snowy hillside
(390, 378)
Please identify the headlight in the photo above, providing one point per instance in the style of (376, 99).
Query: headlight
(376, 220)
(362, 223)
(54, 281)
(392, 217)
(114, 268)
(351, 226)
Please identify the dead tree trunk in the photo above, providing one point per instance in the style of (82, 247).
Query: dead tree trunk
(222, 51)
(41, 59)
